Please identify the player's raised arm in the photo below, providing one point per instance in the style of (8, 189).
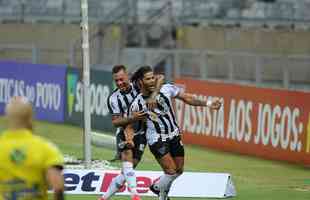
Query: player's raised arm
(151, 101)
(192, 99)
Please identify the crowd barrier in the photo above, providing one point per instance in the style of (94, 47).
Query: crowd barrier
(43, 85)
(56, 92)
(269, 123)
(189, 184)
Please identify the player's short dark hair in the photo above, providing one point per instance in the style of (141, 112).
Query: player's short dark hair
(139, 73)
(118, 68)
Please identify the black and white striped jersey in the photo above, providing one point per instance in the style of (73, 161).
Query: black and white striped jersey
(118, 102)
(161, 122)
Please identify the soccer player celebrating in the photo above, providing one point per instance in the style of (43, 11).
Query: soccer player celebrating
(131, 146)
(162, 131)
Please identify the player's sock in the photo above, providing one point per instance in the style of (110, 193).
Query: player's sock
(130, 177)
(155, 186)
(165, 183)
(115, 185)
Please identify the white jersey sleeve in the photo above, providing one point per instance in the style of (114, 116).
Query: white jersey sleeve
(170, 90)
(113, 106)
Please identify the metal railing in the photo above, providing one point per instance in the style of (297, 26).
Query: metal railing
(30, 52)
(266, 70)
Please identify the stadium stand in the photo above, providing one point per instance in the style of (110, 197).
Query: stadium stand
(187, 12)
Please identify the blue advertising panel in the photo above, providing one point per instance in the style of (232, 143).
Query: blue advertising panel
(43, 85)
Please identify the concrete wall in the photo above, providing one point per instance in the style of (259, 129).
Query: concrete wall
(256, 41)
(53, 40)
(249, 40)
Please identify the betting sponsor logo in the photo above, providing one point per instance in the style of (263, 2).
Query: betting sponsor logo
(94, 181)
(189, 184)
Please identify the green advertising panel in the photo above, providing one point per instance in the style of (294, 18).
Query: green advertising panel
(100, 89)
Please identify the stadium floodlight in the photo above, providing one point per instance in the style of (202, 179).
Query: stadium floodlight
(86, 83)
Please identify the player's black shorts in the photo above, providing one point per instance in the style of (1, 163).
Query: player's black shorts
(173, 146)
(139, 141)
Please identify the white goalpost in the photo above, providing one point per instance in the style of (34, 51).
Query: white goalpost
(86, 83)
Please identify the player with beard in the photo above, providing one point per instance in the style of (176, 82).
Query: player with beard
(131, 147)
(162, 131)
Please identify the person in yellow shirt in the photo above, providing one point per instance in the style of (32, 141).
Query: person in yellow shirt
(29, 164)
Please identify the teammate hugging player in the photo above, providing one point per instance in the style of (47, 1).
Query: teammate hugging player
(162, 131)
